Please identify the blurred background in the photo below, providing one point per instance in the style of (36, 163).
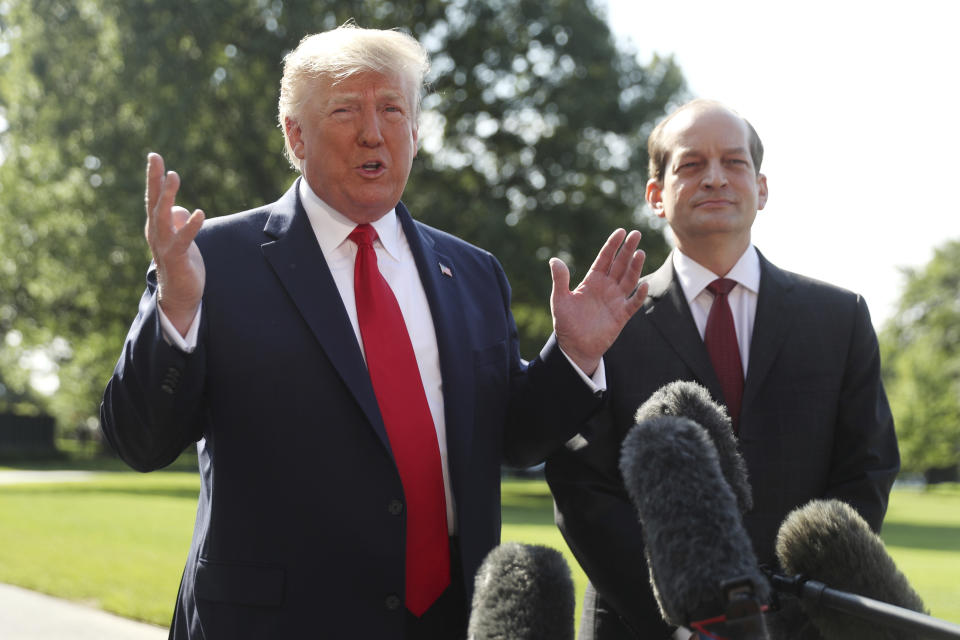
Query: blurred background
(532, 145)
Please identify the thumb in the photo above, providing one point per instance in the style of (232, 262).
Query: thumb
(561, 278)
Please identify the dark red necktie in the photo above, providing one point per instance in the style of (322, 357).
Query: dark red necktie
(720, 337)
(406, 415)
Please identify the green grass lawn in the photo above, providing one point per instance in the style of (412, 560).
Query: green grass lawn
(119, 541)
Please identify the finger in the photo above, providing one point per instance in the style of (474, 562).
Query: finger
(604, 259)
(159, 224)
(188, 230)
(154, 180)
(635, 301)
(561, 278)
(178, 217)
(632, 273)
(625, 255)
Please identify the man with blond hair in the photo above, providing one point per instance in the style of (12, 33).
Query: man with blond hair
(351, 377)
(805, 395)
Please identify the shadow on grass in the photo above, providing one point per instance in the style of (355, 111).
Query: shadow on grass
(919, 536)
(91, 488)
(102, 462)
(526, 501)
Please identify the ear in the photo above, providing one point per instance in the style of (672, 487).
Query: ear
(416, 140)
(761, 191)
(294, 136)
(655, 197)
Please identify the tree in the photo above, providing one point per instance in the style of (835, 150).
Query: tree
(533, 145)
(921, 363)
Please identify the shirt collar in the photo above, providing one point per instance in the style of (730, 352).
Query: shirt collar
(332, 227)
(694, 277)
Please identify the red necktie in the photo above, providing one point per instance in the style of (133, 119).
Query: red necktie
(720, 337)
(406, 415)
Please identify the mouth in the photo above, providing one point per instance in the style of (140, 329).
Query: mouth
(373, 166)
(714, 202)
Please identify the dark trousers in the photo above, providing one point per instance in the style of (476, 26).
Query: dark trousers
(447, 618)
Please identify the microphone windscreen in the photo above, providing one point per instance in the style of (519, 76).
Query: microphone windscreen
(522, 592)
(692, 529)
(691, 400)
(828, 541)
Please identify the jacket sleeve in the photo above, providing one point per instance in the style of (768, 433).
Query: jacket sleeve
(600, 525)
(865, 458)
(151, 409)
(548, 402)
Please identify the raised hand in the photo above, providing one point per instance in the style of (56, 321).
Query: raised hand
(170, 232)
(588, 319)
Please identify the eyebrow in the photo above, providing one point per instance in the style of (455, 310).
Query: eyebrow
(385, 94)
(695, 152)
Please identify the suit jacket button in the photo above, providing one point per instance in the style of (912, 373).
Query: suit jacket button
(167, 388)
(393, 602)
(395, 507)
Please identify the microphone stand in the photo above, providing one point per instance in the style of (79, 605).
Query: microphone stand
(818, 594)
(743, 617)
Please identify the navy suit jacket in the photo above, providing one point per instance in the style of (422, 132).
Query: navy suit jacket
(814, 423)
(300, 521)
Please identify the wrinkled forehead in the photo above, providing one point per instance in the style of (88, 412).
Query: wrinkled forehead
(393, 86)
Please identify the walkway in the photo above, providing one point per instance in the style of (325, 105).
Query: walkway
(28, 615)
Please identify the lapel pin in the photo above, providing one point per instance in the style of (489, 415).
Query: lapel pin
(445, 270)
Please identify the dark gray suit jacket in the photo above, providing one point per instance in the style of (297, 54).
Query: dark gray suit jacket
(814, 423)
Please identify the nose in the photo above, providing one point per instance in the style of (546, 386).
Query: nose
(369, 134)
(714, 176)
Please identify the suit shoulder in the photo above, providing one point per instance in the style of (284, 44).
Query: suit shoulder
(251, 219)
(447, 243)
(821, 289)
(813, 294)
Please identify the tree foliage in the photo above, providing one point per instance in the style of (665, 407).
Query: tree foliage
(921, 356)
(533, 145)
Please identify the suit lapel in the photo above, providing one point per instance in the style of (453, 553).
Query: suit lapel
(291, 249)
(669, 312)
(776, 311)
(438, 274)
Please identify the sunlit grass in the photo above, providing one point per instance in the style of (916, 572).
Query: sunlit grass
(119, 541)
(922, 533)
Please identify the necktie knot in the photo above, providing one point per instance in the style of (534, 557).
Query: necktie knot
(363, 235)
(721, 286)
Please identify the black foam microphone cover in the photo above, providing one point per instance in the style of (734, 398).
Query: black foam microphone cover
(828, 541)
(522, 592)
(691, 400)
(692, 528)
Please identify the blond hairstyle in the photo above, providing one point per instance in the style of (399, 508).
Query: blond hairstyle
(340, 53)
(659, 154)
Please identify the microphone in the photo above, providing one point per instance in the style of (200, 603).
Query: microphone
(826, 542)
(702, 566)
(522, 592)
(691, 400)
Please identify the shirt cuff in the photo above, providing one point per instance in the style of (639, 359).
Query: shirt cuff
(185, 343)
(597, 382)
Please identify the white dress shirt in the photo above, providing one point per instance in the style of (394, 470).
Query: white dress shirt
(694, 279)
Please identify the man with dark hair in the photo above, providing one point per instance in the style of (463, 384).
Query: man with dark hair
(800, 374)
(351, 377)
